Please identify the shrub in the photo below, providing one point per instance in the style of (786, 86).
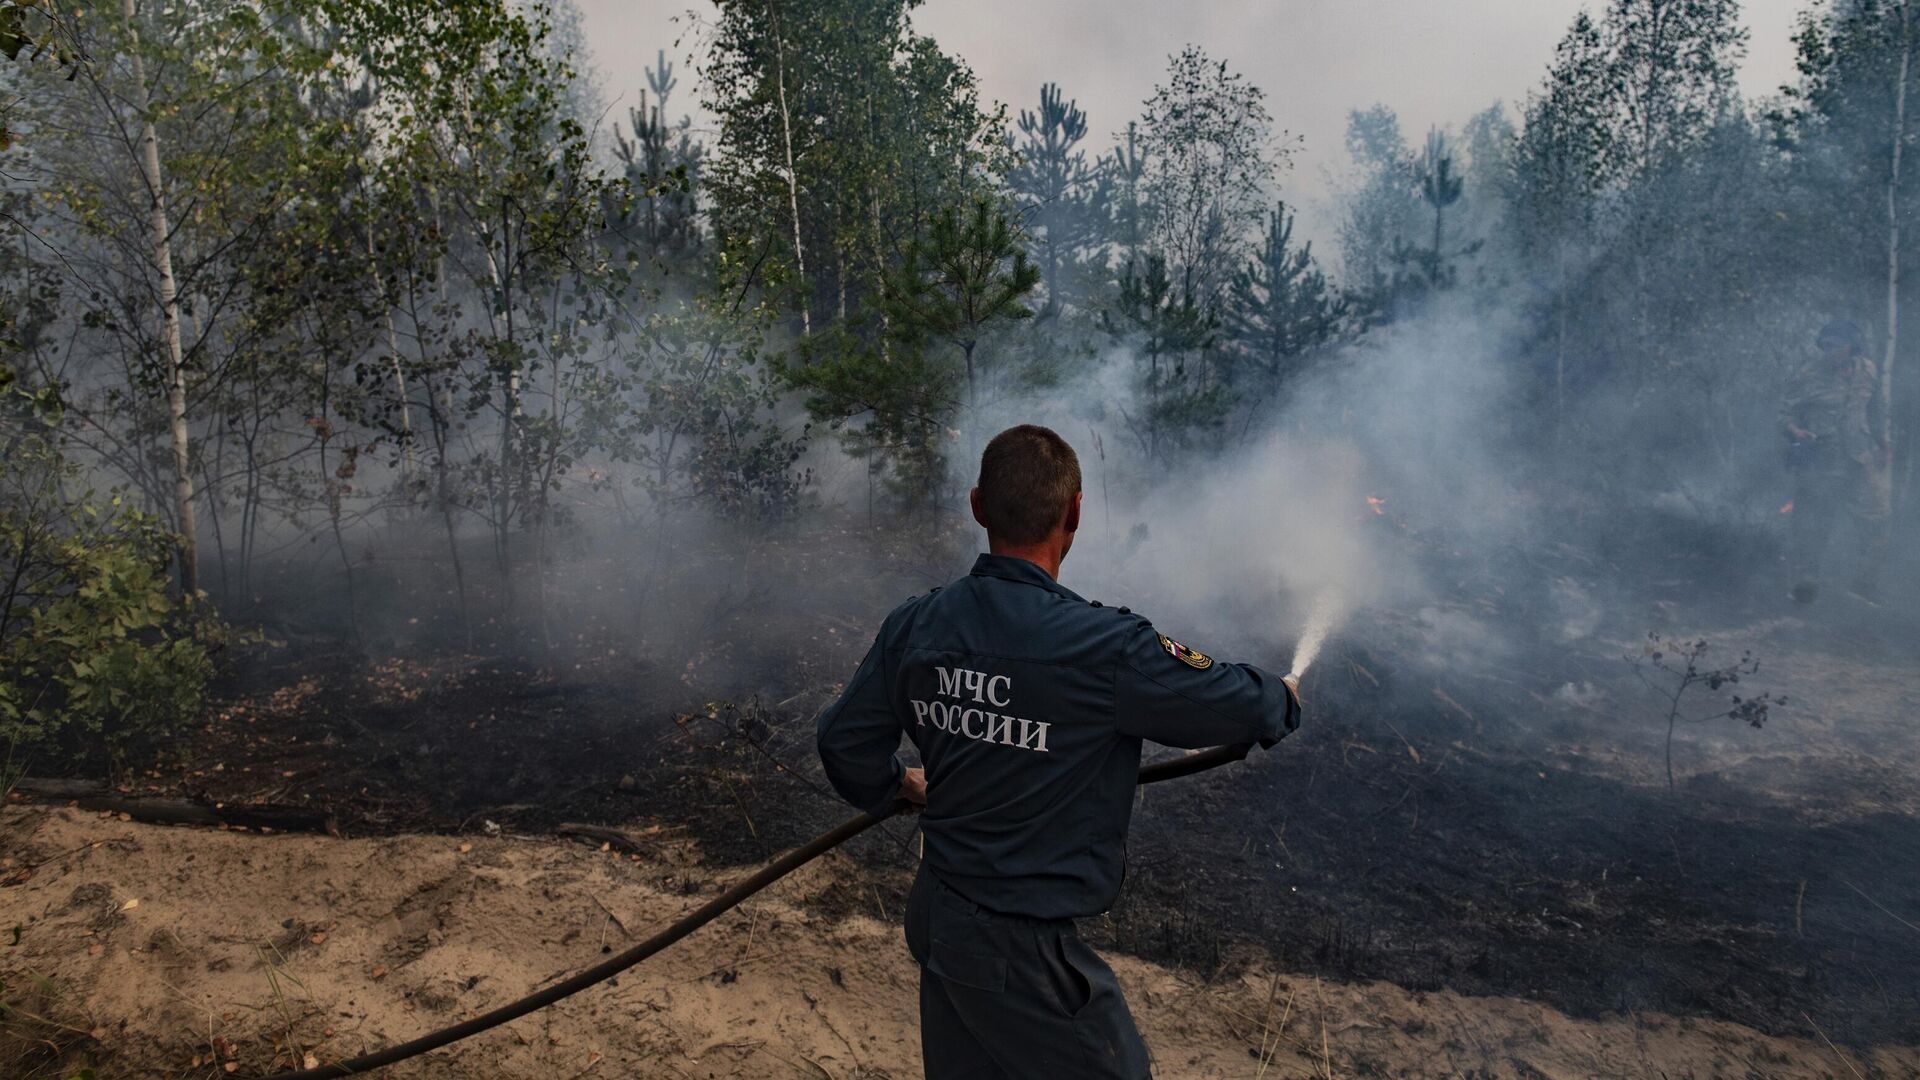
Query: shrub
(98, 655)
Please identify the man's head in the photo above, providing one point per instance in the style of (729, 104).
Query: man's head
(1840, 342)
(1028, 496)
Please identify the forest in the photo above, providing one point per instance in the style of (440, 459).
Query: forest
(412, 437)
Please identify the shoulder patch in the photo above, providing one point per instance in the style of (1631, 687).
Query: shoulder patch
(1191, 657)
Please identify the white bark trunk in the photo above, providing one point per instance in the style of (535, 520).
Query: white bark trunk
(401, 393)
(176, 375)
(793, 178)
(1893, 233)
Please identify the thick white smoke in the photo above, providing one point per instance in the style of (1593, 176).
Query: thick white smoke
(1317, 504)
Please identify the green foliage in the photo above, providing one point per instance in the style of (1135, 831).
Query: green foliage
(1283, 309)
(1381, 205)
(968, 273)
(662, 164)
(703, 427)
(893, 408)
(1173, 335)
(1669, 76)
(1056, 190)
(1206, 141)
(1646, 297)
(842, 134)
(97, 656)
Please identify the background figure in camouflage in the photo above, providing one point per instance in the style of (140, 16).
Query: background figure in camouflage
(1837, 459)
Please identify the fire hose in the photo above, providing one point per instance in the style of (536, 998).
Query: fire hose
(1173, 768)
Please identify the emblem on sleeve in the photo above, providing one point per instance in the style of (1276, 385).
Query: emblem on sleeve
(1191, 657)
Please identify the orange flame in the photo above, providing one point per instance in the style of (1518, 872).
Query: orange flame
(1788, 508)
(1375, 502)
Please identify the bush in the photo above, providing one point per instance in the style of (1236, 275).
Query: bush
(97, 654)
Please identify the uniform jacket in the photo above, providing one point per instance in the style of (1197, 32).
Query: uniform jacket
(1028, 706)
(1842, 410)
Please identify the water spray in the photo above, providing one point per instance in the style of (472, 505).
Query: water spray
(1328, 606)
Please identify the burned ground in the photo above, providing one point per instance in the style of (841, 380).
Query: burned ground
(1502, 831)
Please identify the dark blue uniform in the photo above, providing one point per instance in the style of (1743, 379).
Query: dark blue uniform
(1028, 706)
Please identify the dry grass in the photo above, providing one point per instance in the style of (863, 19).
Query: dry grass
(44, 1032)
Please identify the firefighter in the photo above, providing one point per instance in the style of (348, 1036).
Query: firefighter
(1028, 706)
(1837, 457)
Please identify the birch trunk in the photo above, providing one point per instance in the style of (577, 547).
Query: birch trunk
(175, 367)
(401, 394)
(1893, 237)
(793, 178)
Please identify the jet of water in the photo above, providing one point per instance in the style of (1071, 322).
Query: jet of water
(1327, 608)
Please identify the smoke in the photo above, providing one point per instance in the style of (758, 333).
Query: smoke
(1324, 505)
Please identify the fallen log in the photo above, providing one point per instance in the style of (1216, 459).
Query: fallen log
(173, 810)
(620, 841)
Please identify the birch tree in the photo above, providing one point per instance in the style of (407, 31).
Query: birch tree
(1208, 143)
(1851, 119)
(146, 152)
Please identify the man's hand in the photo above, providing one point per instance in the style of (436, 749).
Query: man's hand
(1293, 687)
(913, 787)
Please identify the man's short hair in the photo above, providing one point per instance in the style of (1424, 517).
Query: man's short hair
(1028, 476)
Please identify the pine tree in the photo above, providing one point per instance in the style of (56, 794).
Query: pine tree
(1116, 202)
(662, 165)
(965, 276)
(1172, 333)
(1052, 182)
(1282, 306)
(1440, 188)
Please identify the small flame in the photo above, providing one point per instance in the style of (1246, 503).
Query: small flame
(1788, 508)
(1374, 502)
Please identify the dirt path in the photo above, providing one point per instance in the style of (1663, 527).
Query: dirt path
(197, 953)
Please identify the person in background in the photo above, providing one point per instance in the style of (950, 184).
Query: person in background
(1028, 706)
(1837, 459)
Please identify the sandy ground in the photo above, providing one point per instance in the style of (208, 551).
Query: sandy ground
(173, 952)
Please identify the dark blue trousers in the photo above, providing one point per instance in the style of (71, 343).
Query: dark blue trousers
(1010, 998)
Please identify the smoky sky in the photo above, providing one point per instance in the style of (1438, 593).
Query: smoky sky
(1432, 61)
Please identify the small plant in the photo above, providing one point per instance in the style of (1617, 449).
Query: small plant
(1682, 666)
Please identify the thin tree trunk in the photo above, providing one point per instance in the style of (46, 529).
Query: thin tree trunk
(1437, 212)
(879, 256)
(333, 485)
(250, 502)
(1893, 239)
(973, 393)
(793, 178)
(439, 416)
(401, 393)
(1560, 361)
(176, 374)
(500, 269)
(406, 404)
